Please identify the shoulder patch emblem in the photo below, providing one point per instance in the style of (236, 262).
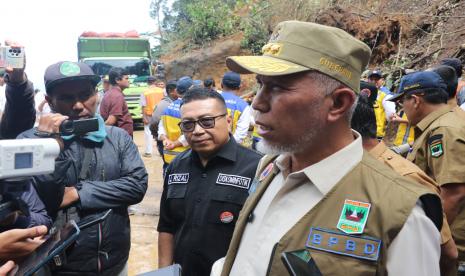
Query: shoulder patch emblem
(233, 180)
(178, 178)
(436, 148)
(353, 217)
(366, 248)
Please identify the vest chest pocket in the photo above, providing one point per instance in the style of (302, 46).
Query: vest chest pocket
(176, 191)
(333, 264)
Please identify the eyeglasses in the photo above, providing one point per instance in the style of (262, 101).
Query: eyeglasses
(408, 97)
(205, 122)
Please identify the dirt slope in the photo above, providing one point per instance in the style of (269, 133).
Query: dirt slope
(402, 34)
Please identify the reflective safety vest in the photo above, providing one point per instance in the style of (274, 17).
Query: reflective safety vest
(235, 106)
(380, 114)
(153, 96)
(171, 118)
(405, 132)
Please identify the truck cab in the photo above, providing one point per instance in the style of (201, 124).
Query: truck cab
(131, 54)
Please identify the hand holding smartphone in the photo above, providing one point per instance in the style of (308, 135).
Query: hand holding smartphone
(12, 57)
(56, 243)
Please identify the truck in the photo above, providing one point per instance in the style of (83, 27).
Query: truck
(130, 53)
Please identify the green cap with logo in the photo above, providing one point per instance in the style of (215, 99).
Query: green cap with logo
(67, 71)
(298, 46)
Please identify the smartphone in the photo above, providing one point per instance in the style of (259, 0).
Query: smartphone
(300, 263)
(12, 57)
(78, 127)
(55, 244)
(93, 220)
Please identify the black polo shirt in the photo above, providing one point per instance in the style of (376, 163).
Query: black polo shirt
(200, 205)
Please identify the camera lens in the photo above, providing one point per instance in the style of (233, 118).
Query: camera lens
(67, 127)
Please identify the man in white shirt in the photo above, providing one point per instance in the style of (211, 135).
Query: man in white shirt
(323, 200)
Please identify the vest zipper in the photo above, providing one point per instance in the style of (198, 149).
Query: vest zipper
(271, 259)
(99, 263)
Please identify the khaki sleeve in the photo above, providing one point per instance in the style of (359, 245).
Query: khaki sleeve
(446, 155)
(446, 235)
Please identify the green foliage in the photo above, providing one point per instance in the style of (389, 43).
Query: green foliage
(255, 26)
(208, 20)
(198, 21)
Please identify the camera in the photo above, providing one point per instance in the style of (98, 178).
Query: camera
(22, 159)
(27, 157)
(11, 57)
(78, 127)
(19, 161)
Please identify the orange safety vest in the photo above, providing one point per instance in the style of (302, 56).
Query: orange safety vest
(153, 96)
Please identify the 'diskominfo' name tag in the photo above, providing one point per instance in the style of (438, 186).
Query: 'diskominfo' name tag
(366, 248)
(233, 180)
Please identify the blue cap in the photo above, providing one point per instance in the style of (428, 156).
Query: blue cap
(184, 84)
(375, 73)
(419, 82)
(231, 80)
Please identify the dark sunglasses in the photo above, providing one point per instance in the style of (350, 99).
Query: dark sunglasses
(205, 122)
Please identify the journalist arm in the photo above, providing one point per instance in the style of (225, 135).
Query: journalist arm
(19, 114)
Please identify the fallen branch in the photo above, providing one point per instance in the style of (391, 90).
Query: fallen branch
(421, 59)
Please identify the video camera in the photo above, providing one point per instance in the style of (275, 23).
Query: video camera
(22, 159)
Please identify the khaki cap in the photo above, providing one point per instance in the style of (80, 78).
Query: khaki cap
(298, 46)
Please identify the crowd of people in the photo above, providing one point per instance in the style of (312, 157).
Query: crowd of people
(327, 172)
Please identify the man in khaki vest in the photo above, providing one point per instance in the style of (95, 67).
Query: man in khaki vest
(439, 147)
(323, 201)
(364, 122)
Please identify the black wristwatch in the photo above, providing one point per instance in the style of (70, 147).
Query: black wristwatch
(44, 134)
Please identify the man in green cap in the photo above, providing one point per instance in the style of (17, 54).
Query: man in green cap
(321, 203)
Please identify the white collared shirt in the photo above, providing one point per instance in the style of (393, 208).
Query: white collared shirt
(287, 199)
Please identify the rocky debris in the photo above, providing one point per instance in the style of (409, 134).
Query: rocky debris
(405, 34)
(381, 33)
(203, 62)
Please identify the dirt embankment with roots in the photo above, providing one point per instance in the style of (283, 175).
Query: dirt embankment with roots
(407, 34)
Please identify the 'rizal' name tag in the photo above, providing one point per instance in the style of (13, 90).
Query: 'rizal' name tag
(366, 248)
(178, 178)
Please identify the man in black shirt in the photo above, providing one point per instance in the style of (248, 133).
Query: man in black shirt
(205, 187)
